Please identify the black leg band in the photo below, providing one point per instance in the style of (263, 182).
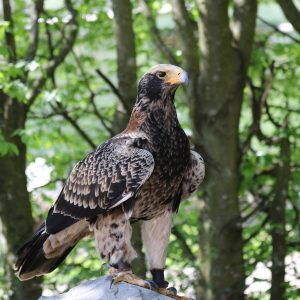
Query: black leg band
(159, 278)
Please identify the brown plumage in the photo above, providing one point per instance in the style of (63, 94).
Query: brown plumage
(141, 174)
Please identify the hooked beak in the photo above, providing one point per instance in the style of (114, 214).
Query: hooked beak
(184, 78)
(180, 77)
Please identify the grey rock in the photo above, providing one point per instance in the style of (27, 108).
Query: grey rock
(101, 289)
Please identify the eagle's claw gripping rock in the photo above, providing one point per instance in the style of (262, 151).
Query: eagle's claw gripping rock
(172, 290)
(129, 277)
(153, 284)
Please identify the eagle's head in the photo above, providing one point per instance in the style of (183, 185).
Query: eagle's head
(161, 82)
(156, 92)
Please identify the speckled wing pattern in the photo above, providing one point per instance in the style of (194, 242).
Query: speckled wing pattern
(193, 176)
(106, 178)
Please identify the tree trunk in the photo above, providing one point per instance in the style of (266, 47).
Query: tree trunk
(278, 231)
(15, 209)
(215, 113)
(126, 60)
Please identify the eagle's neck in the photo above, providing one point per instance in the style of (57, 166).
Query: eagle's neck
(153, 116)
(158, 122)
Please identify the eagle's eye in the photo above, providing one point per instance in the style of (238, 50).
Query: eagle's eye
(161, 74)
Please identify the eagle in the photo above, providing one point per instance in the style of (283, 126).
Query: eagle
(141, 174)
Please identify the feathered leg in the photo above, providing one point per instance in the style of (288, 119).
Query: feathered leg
(113, 234)
(156, 233)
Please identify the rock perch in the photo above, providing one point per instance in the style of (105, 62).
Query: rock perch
(100, 289)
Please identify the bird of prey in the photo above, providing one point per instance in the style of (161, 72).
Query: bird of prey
(141, 174)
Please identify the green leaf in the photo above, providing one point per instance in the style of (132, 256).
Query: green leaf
(17, 90)
(7, 148)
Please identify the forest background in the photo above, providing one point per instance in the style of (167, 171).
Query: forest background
(68, 77)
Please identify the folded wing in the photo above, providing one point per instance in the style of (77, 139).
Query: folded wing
(103, 180)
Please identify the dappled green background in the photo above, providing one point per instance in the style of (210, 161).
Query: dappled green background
(54, 144)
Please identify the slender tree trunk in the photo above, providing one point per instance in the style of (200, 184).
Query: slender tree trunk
(126, 59)
(15, 209)
(215, 113)
(278, 231)
(190, 48)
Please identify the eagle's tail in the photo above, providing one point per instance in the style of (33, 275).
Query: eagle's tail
(31, 259)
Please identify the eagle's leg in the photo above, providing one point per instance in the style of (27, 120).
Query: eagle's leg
(113, 233)
(156, 233)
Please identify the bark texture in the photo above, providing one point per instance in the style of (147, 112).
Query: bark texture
(216, 128)
(126, 60)
(278, 222)
(216, 112)
(15, 209)
(190, 50)
(215, 103)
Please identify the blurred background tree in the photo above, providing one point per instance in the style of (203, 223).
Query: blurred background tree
(68, 74)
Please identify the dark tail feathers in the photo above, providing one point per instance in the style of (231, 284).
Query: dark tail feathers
(31, 260)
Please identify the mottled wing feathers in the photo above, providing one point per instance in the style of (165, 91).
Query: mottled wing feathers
(104, 179)
(193, 176)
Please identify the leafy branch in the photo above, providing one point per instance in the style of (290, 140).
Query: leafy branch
(276, 29)
(92, 95)
(59, 58)
(157, 38)
(9, 34)
(258, 103)
(291, 13)
(61, 110)
(185, 247)
(113, 88)
(34, 31)
(256, 232)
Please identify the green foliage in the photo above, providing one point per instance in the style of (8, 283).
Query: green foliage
(260, 162)
(7, 148)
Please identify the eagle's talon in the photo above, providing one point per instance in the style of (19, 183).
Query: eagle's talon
(172, 290)
(153, 284)
(149, 286)
(130, 278)
(165, 284)
(113, 272)
(111, 269)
